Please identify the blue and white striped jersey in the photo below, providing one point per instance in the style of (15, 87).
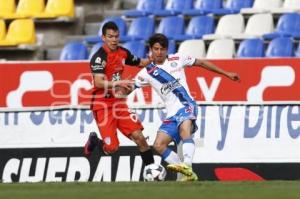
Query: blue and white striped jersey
(169, 81)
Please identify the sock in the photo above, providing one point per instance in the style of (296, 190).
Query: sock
(188, 150)
(170, 156)
(147, 157)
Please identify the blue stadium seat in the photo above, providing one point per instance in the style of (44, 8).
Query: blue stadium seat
(144, 8)
(197, 27)
(288, 25)
(174, 7)
(251, 48)
(95, 48)
(172, 47)
(233, 7)
(74, 51)
(297, 53)
(171, 26)
(202, 7)
(140, 29)
(120, 23)
(280, 47)
(136, 47)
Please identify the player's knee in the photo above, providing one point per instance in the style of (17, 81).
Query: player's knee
(109, 149)
(159, 147)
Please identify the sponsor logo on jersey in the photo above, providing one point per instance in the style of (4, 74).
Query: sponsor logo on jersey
(174, 64)
(97, 67)
(98, 60)
(169, 87)
(173, 58)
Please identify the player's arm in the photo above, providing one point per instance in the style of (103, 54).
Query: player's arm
(212, 67)
(133, 60)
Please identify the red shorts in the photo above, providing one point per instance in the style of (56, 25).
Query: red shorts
(113, 118)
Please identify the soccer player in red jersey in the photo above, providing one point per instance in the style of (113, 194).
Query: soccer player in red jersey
(111, 113)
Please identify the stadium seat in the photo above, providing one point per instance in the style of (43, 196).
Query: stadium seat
(202, 7)
(288, 25)
(120, 23)
(228, 26)
(20, 31)
(171, 26)
(172, 47)
(136, 47)
(280, 47)
(221, 49)
(288, 6)
(95, 48)
(251, 48)
(194, 48)
(28, 8)
(257, 26)
(74, 51)
(197, 27)
(7, 8)
(174, 7)
(297, 53)
(2, 29)
(58, 8)
(232, 7)
(144, 8)
(260, 6)
(141, 28)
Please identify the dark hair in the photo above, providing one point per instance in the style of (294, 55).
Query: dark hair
(110, 25)
(159, 38)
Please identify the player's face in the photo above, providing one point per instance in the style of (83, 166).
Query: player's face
(111, 38)
(159, 53)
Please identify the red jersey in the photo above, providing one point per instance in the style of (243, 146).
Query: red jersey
(111, 64)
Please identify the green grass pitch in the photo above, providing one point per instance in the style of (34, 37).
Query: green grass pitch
(153, 190)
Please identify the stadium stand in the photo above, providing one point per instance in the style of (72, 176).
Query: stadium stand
(288, 6)
(58, 8)
(20, 31)
(260, 6)
(74, 51)
(7, 8)
(194, 48)
(202, 7)
(228, 26)
(221, 49)
(167, 27)
(174, 7)
(26, 8)
(144, 8)
(172, 47)
(2, 29)
(281, 47)
(136, 47)
(288, 25)
(251, 48)
(197, 27)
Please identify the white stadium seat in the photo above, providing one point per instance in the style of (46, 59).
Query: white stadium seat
(221, 49)
(194, 48)
(288, 6)
(257, 26)
(228, 26)
(261, 6)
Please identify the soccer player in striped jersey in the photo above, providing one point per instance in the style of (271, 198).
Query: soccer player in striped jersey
(166, 75)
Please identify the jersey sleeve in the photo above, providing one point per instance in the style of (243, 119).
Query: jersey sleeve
(141, 79)
(98, 62)
(187, 60)
(131, 59)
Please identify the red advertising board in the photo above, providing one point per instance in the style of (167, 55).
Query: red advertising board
(27, 84)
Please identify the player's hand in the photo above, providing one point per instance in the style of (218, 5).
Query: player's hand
(127, 84)
(233, 76)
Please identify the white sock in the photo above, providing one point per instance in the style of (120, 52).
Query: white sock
(188, 150)
(170, 156)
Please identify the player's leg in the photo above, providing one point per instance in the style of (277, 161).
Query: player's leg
(130, 126)
(161, 143)
(188, 145)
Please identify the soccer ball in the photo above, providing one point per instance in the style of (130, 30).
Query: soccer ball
(154, 172)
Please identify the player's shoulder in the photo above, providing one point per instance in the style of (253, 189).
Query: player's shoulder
(99, 55)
